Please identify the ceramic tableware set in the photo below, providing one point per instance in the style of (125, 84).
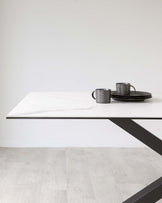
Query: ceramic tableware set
(123, 93)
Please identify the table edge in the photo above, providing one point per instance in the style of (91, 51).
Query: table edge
(148, 118)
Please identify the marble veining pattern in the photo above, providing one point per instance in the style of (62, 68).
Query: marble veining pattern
(81, 104)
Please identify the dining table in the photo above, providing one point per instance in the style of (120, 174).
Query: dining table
(80, 105)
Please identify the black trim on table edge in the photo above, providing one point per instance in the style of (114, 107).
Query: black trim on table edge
(142, 118)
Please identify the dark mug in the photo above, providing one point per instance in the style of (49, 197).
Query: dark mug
(123, 88)
(102, 95)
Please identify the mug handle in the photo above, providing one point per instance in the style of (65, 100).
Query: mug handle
(133, 87)
(93, 95)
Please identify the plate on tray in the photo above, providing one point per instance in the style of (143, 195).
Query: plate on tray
(134, 96)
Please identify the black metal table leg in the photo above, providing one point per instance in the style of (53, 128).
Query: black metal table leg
(149, 194)
(152, 192)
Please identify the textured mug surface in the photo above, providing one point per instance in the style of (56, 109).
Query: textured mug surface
(124, 88)
(102, 95)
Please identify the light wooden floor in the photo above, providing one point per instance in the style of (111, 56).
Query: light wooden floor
(74, 175)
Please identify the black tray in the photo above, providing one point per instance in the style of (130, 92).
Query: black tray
(134, 96)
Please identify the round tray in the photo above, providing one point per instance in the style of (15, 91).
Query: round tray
(134, 96)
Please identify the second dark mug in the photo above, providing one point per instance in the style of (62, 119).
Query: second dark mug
(102, 95)
(123, 88)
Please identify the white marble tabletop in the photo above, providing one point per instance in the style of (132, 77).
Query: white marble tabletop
(81, 105)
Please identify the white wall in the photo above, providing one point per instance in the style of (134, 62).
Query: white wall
(52, 45)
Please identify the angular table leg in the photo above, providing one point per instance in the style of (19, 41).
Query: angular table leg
(149, 194)
(152, 192)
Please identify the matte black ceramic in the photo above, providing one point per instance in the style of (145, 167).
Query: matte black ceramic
(102, 95)
(124, 88)
(134, 96)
